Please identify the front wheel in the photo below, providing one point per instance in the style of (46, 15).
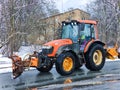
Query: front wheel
(65, 63)
(46, 68)
(95, 58)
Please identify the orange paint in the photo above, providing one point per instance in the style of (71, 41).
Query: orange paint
(88, 22)
(88, 44)
(96, 31)
(57, 44)
(34, 62)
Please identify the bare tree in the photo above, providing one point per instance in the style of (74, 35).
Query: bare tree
(107, 12)
(21, 19)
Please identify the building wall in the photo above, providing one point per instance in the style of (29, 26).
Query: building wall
(76, 14)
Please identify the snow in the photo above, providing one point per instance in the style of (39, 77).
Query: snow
(119, 50)
(115, 60)
(0, 55)
(24, 50)
(5, 64)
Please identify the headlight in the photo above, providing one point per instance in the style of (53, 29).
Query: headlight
(46, 47)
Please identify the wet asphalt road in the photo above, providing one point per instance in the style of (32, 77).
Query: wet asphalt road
(106, 79)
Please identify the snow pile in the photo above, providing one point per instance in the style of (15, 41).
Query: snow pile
(5, 64)
(0, 55)
(119, 50)
(24, 50)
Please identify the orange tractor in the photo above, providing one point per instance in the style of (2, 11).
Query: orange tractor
(79, 45)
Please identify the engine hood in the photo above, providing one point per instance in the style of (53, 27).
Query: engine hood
(56, 44)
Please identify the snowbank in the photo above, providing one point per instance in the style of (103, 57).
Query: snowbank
(119, 49)
(24, 50)
(113, 60)
(5, 64)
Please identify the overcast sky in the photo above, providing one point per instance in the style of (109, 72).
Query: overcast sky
(63, 5)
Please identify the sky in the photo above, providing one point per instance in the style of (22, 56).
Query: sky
(64, 5)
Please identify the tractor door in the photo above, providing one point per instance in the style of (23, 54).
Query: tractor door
(86, 34)
(70, 30)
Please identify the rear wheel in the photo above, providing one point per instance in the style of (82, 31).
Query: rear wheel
(95, 58)
(65, 63)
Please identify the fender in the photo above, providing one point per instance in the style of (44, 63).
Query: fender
(64, 49)
(91, 42)
(56, 44)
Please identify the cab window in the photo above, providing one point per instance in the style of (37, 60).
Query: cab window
(88, 32)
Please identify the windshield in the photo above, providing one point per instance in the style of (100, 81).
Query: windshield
(88, 32)
(70, 31)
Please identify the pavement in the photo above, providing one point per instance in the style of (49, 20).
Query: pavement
(82, 79)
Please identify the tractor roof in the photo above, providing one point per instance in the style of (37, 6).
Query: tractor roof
(82, 21)
(88, 21)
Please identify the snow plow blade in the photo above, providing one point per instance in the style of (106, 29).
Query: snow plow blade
(112, 53)
(19, 65)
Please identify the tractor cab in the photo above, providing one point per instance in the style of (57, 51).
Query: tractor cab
(79, 32)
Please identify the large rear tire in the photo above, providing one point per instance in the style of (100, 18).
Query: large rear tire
(65, 63)
(95, 58)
